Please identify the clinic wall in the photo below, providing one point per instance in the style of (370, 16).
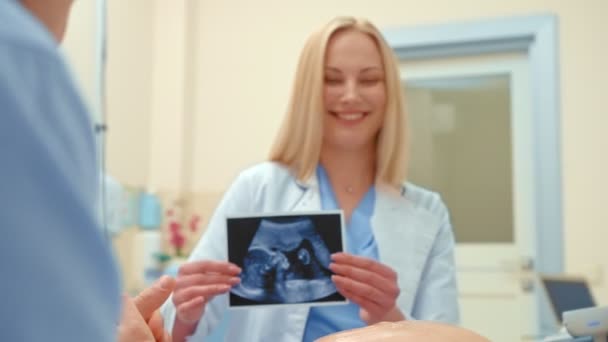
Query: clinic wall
(146, 92)
(129, 88)
(247, 52)
(79, 47)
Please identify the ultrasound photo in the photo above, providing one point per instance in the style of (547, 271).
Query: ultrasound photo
(285, 258)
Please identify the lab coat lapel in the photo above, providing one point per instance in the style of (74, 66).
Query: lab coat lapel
(309, 197)
(404, 236)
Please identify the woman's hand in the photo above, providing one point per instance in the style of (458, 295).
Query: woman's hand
(369, 284)
(197, 283)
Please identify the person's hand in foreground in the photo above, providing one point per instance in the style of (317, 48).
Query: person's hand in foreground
(406, 331)
(141, 320)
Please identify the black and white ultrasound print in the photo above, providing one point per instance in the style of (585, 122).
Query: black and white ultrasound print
(285, 258)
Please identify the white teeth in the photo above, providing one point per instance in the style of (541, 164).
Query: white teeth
(350, 116)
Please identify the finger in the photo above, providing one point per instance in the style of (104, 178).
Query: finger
(129, 311)
(369, 306)
(372, 311)
(364, 263)
(362, 290)
(191, 311)
(166, 337)
(156, 326)
(206, 291)
(209, 266)
(150, 299)
(384, 285)
(205, 279)
(368, 317)
(132, 326)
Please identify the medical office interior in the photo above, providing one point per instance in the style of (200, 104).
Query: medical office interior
(507, 114)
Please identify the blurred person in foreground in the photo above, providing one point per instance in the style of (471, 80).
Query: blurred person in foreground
(60, 280)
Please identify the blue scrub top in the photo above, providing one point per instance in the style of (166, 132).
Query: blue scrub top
(325, 320)
(59, 280)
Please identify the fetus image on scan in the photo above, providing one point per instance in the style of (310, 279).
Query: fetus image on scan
(286, 262)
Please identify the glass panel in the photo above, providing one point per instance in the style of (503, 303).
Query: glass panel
(461, 147)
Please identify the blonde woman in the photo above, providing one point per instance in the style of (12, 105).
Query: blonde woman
(343, 145)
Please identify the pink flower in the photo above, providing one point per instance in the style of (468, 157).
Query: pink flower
(175, 227)
(178, 240)
(194, 223)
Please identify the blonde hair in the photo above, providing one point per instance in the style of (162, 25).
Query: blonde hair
(298, 143)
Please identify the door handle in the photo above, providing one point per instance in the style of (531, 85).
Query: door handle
(526, 274)
(526, 264)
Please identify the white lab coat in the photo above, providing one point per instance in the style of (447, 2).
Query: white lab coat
(411, 227)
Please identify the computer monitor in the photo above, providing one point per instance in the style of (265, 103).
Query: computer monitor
(567, 293)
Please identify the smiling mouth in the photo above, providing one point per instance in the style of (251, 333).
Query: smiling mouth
(351, 117)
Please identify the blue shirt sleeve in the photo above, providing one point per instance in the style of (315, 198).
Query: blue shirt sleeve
(59, 280)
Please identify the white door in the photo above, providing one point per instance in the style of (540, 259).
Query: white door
(471, 135)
